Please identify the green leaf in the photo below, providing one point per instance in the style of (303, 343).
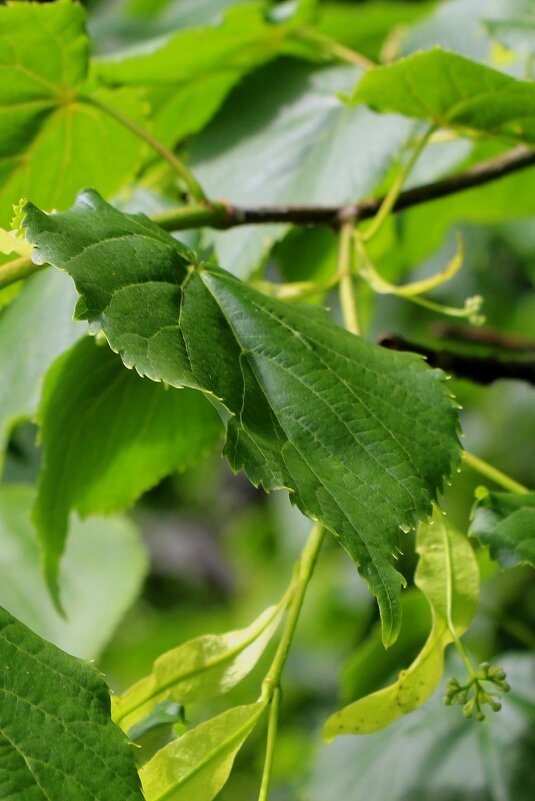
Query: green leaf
(52, 142)
(436, 754)
(34, 330)
(104, 567)
(451, 91)
(448, 576)
(124, 435)
(198, 670)
(197, 765)
(297, 143)
(361, 436)
(188, 73)
(56, 736)
(506, 523)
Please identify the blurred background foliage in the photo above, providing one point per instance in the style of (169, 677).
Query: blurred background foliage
(219, 551)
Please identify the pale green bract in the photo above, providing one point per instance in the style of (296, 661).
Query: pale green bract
(198, 670)
(56, 737)
(448, 576)
(362, 437)
(196, 766)
(451, 91)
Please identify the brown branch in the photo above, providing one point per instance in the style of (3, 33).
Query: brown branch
(480, 369)
(225, 215)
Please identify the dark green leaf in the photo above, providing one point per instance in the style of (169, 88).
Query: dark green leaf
(505, 522)
(34, 330)
(56, 736)
(51, 142)
(104, 566)
(123, 434)
(361, 436)
(197, 765)
(451, 91)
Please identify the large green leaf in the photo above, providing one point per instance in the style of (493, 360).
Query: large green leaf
(56, 736)
(505, 522)
(34, 330)
(452, 92)
(291, 141)
(198, 670)
(197, 765)
(52, 142)
(188, 73)
(436, 754)
(448, 576)
(362, 437)
(104, 566)
(123, 435)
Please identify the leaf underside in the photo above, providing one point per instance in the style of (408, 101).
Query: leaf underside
(360, 436)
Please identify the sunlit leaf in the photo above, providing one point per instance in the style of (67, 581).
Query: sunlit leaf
(197, 765)
(198, 670)
(56, 736)
(448, 576)
(124, 435)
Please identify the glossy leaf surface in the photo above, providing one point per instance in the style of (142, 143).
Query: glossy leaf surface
(362, 437)
(56, 736)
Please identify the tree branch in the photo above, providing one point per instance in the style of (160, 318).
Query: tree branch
(480, 369)
(225, 215)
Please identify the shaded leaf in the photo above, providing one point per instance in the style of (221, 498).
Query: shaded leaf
(56, 736)
(34, 330)
(51, 141)
(198, 670)
(123, 436)
(104, 567)
(451, 91)
(361, 436)
(505, 522)
(197, 765)
(436, 754)
(448, 575)
(291, 141)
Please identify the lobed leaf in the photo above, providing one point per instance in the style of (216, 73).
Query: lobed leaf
(451, 91)
(56, 736)
(448, 576)
(197, 765)
(198, 670)
(505, 522)
(52, 142)
(104, 567)
(124, 435)
(361, 436)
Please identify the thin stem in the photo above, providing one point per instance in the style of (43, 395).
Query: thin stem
(271, 691)
(492, 473)
(332, 48)
(18, 269)
(273, 725)
(178, 166)
(395, 190)
(348, 300)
